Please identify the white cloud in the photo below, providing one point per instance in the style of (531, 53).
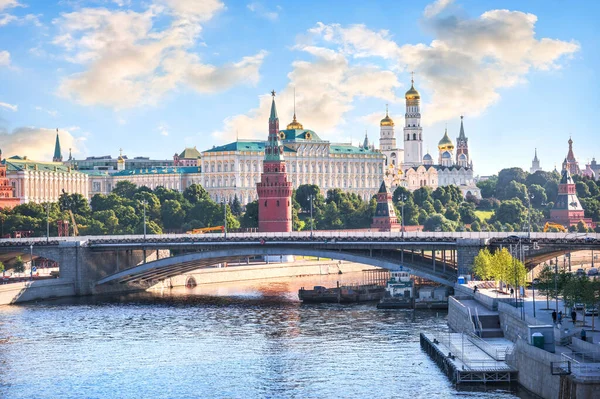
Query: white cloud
(51, 112)
(6, 4)
(262, 11)
(436, 7)
(163, 129)
(4, 58)
(460, 71)
(129, 61)
(326, 87)
(9, 107)
(38, 143)
(466, 64)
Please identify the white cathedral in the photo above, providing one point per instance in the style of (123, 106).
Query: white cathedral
(408, 167)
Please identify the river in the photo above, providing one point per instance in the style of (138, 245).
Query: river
(246, 340)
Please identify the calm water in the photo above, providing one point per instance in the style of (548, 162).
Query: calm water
(256, 342)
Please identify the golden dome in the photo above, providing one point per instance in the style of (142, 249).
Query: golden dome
(295, 124)
(445, 143)
(412, 93)
(387, 121)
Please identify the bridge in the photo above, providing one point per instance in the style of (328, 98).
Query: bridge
(96, 264)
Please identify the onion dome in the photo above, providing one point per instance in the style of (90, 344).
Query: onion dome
(295, 124)
(462, 157)
(445, 143)
(427, 157)
(412, 93)
(446, 155)
(387, 121)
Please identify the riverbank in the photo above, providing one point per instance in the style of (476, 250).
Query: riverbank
(262, 271)
(561, 367)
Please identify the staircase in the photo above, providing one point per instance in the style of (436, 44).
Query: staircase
(488, 326)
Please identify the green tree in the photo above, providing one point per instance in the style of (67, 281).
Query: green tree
(151, 228)
(250, 217)
(452, 213)
(305, 191)
(505, 177)
(125, 189)
(510, 211)
(236, 206)
(101, 202)
(482, 264)
(109, 220)
(172, 214)
(545, 283)
(399, 193)
(2, 268)
(516, 190)
(583, 191)
(551, 189)
(19, 265)
(437, 222)
(467, 213)
(539, 195)
(330, 219)
(488, 187)
(422, 195)
(195, 193)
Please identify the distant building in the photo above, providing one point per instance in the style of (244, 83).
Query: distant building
(40, 182)
(235, 168)
(188, 157)
(535, 164)
(57, 151)
(567, 209)
(570, 163)
(174, 178)
(595, 168)
(385, 218)
(7, 191)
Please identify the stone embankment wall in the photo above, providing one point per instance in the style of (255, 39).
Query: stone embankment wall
(34, 290)
(262, 272)
(512, 324)
(534, 369)
(458, 314)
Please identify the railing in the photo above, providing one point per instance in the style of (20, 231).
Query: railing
(472, 322)
(324, 234)
(469, 363)
(495, 352)
(584, 365)
(478, 321)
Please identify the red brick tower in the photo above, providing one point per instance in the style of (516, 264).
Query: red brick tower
(385, 218)
(567, 209)
(7, 194)
(274, 189)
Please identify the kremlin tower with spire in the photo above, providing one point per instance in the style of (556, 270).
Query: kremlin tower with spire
(274, 189)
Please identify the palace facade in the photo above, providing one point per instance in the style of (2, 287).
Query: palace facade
(235, 168)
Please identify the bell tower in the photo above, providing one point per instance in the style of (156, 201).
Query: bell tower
(413, 132)
(274, 189)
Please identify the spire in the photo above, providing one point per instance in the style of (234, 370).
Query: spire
(535, 158)
(273, 108)
(57, 152)
(295, 125)
(382, 188)
(366, 141)
(461, 135)
(70, 155)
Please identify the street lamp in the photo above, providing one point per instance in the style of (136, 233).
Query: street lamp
(31, 267)
(403, 198)
(144, 202)
(47, 222)
(224, 219)
(530, 197)
(311, 198)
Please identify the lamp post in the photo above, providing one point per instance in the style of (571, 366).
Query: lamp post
(31, 256)
(224, 219)
(144, 202)
(530, 197)
(311, 198)
(533, 291)
(47, 222)
(403, 198)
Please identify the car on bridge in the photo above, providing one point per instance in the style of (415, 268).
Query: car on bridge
(593, 311)
(593, 271)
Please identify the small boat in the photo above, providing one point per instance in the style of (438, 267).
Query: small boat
(399, 292)
(342, 294)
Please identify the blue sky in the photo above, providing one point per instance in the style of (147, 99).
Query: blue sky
(156, 76)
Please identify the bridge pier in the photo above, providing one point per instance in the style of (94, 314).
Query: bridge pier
(466, 251)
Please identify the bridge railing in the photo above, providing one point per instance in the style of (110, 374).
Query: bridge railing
(341, 234)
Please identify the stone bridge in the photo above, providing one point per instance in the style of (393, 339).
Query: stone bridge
(99, 264)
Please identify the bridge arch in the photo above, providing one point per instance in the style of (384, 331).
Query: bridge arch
(181, 264)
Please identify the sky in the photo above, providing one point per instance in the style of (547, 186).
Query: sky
(152, 77)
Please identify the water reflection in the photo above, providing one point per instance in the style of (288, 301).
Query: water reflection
(231, 341)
